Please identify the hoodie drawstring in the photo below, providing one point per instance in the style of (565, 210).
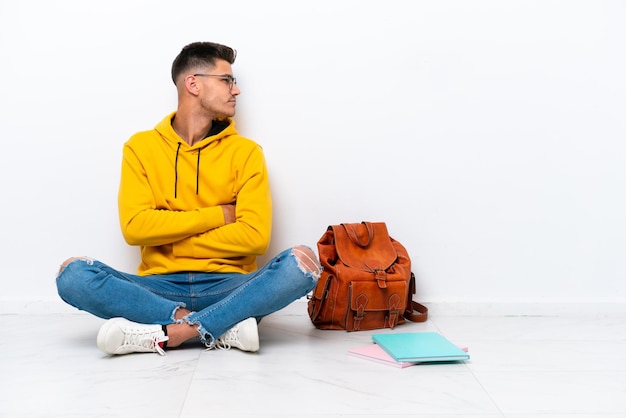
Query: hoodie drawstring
(176, 170)
(198, 172)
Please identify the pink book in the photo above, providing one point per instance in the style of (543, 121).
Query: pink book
(373, 352)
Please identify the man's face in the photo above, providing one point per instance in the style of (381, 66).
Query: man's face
(218, 91)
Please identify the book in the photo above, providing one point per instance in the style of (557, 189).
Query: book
(374, 353)
(419, 347)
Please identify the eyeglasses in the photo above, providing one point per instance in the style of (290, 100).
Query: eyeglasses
(226, 77)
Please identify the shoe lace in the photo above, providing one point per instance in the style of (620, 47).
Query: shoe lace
(149, 340)
(226, 341)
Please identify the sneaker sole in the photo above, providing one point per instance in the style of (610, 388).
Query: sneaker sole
(101, 340)
(249, 328)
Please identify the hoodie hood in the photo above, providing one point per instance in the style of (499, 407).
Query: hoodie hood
(219, 130)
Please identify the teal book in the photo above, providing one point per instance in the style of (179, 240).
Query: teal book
(419, 347)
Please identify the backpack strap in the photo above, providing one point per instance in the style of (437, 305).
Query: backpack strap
(418, 312)
(316, 300)
(415, 312)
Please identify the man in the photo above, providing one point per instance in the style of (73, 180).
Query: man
(194, 195)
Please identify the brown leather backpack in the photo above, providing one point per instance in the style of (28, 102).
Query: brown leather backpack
(366, 282)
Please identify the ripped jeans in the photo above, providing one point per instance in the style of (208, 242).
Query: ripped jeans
(217, 301)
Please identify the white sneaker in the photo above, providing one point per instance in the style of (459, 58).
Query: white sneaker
(121, 336)
(244, 336)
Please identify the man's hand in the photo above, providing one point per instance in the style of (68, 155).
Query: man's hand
(229, 214)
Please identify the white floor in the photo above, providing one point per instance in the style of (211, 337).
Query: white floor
(521, 366)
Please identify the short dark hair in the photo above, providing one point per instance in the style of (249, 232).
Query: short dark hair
(199, 54)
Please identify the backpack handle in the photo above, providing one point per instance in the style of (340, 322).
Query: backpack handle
(355, 238)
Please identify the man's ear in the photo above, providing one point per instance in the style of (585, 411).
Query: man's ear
(191, 85)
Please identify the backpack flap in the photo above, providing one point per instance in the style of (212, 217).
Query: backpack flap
(367, 247)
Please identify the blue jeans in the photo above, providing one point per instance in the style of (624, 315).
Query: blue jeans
(218, 301)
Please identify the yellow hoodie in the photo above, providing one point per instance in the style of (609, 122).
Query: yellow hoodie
(170, 194)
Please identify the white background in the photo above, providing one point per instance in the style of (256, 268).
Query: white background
(488, 135)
